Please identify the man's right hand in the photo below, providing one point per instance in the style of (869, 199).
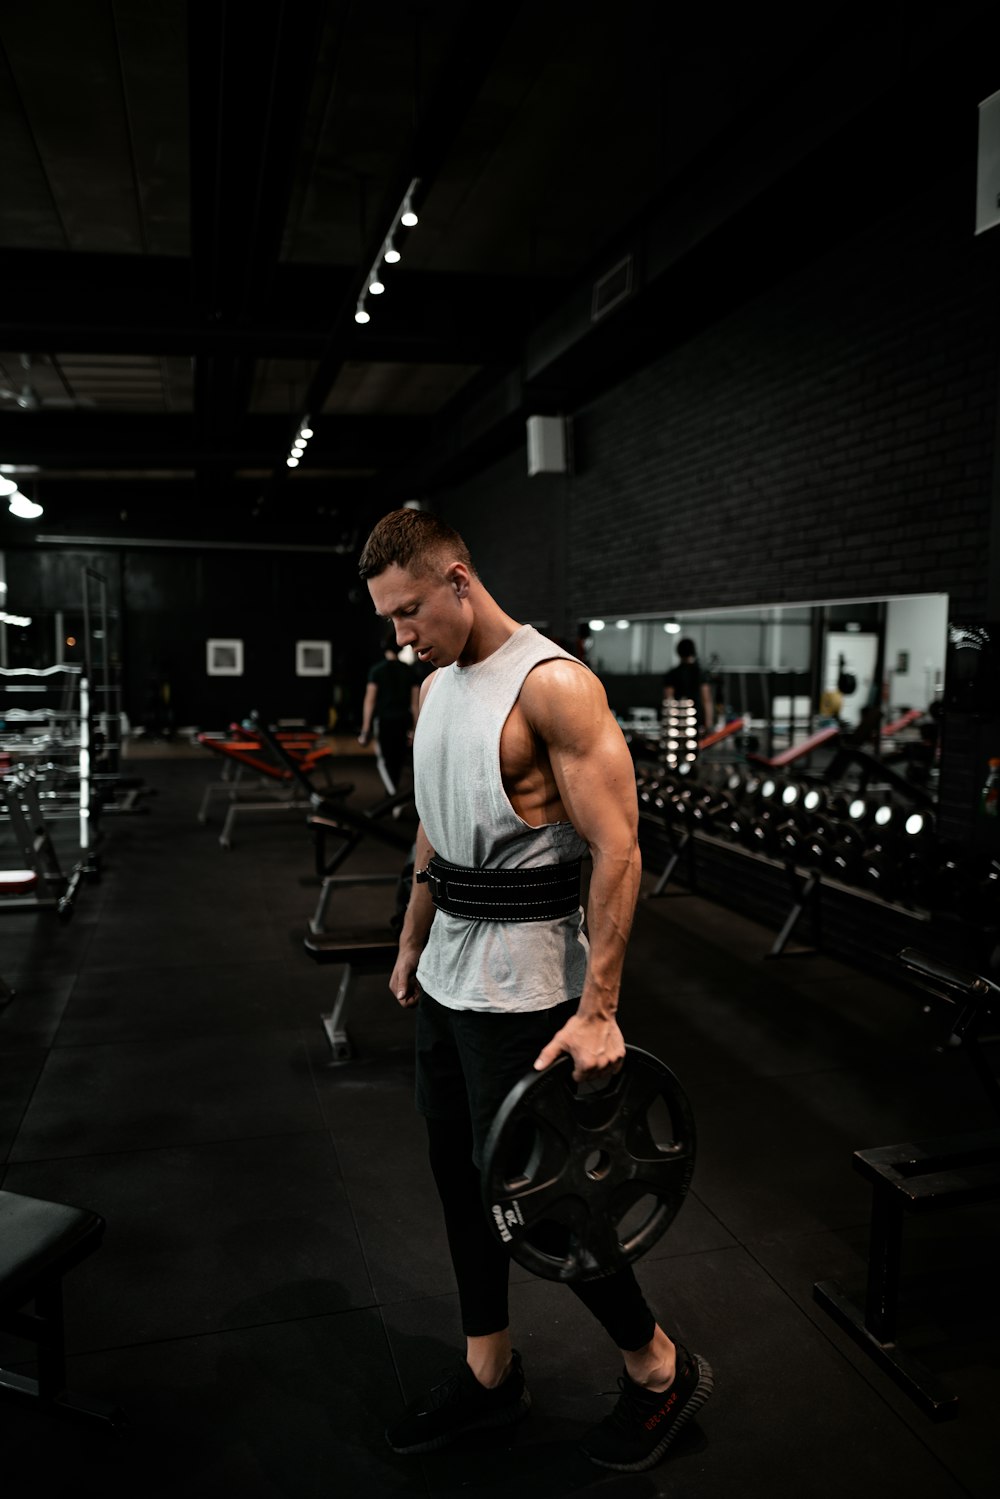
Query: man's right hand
(403, 982)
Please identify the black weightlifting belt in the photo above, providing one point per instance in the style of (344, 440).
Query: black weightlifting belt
(542, 894)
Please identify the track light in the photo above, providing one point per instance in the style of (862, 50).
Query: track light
(24, 508)
(387, 252)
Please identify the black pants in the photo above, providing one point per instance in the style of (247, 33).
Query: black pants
(466, 1064)
(390, 738)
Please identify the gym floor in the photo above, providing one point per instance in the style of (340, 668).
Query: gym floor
(274, 1279)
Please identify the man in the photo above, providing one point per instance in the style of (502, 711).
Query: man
(685, 682)
(518, 766)
(391, 705)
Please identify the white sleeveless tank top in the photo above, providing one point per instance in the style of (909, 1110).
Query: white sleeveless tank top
(468, 818)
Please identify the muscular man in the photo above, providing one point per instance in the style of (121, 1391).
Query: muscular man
(519, 766)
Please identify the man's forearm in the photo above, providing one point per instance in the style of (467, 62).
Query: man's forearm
(614, 890)
(420, 910)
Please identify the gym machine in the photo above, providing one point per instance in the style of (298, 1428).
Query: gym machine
(922, 1177)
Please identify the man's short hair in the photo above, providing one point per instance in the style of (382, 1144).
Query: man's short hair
(686, 647)
(413, 539)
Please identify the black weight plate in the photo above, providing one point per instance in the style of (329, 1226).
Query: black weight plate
(579, 1182)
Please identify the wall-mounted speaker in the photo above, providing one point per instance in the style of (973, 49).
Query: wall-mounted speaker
(546, 445)
(988, 165)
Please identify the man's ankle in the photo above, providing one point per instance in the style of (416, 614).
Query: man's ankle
(655, 1366)
(490, 1373)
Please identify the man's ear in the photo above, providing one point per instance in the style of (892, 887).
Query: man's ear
(458, 577)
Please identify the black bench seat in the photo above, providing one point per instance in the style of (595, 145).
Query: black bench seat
(361, 954)
(39, 1242)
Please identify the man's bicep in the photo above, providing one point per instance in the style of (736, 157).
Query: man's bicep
(596, 782)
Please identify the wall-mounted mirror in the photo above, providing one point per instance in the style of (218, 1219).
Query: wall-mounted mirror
(788, 670)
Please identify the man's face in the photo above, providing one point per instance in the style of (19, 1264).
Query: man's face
(429, 612)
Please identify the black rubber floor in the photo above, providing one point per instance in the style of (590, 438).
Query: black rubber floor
(274, 1280)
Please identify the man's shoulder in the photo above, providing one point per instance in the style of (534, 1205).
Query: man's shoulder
(558, 684)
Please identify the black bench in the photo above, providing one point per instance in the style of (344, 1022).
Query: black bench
(921, 1177)
(366, 954)
(40, 1242)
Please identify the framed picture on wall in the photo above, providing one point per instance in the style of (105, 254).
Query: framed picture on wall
(224, 658)
(312, 658)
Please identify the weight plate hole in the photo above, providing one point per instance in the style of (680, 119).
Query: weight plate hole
(597, 1165)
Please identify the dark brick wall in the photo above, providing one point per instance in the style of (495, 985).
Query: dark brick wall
(833, 437)
(516, 528)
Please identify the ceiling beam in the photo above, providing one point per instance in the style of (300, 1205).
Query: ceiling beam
(85, 440)
(249, 86)
(125, 304)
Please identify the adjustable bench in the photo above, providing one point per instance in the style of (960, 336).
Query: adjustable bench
(365, 955)
(799, 751)
(39, 1242)
(277, 777)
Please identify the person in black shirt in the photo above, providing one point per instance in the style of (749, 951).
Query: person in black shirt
(685, 682)
(391, 698)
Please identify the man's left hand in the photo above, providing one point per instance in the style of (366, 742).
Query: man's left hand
(596, 1046)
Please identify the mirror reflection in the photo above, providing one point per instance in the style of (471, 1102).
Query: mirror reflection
(872, 669)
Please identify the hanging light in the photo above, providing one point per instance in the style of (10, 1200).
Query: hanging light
(361, 316)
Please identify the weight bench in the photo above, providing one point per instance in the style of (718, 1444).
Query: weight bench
(365, 955)
(40, 1242)
(330, 818)
(726, 732)
(921, 1177)
(794, 752)
(281, 764)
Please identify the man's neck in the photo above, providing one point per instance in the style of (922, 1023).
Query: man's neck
(491, 628)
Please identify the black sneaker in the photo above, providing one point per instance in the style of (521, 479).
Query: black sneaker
(644, 1422)
(456, 1405)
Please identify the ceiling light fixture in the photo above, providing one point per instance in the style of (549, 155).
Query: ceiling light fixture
(292, 462)
(7, 486)
(306, 432)
(24, 508)
(405, 215)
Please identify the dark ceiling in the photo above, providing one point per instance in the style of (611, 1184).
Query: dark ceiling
(193, 197)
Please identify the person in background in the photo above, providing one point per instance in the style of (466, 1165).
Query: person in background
(390, 705)
(686, 681)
